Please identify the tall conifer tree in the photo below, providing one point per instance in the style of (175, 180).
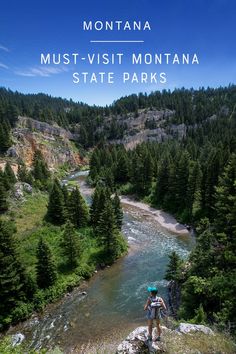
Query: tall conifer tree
(45, 268)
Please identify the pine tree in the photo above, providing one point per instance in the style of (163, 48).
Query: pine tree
(210, 182)
(182, 175)
(13, 279)
(5, 138)
(65, 194)
(107, 177)
(99, 198)
(147, 172)
(173, 271)
(9, 175)
(77, 209)
(40, 169)
(107, 231)
(94, 165)
(194, 190)
(11, 114)
(83, 136)
(137, 177)
(122, 168)
(70, 244)
(170, 200)
(200, 316)
(225, 197)
(45, 268)
(56, 206)
(162, 186)
(118, 211)
(23, 175)
(3, 198)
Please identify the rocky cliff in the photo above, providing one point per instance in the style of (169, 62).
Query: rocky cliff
(148, 125)
(56, 144)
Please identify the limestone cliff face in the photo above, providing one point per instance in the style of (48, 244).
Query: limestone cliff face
(138, 127)
(55, 143)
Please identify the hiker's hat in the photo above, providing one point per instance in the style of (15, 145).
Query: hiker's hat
(152, 288)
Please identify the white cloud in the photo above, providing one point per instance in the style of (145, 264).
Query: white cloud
(3, 66)
(4, 48)
(41, 71)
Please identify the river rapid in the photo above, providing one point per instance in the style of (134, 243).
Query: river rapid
(115, 296)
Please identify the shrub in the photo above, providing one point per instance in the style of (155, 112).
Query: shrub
(85, 271)
(21, 311)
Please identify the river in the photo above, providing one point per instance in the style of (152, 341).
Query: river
(115, 296)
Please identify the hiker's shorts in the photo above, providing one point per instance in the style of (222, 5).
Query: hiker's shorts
(156, 316)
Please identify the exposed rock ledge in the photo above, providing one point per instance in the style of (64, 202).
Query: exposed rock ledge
(54, 142)
(136, 342)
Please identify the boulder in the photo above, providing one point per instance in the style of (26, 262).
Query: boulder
(18, 192)
(136, 343)
(17, 339)
(187, 328)
(27, 188)
(12, 152)
(20, 188)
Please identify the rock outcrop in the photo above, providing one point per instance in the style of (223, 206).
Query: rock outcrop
(187, 328)
(45, 128)
(137, 343)
(138, 130)
(174, 297)
(17, 339)
(55, 143)
(19, 190)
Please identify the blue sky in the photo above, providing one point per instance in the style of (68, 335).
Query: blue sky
(27, 28)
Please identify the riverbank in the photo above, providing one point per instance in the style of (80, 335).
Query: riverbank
(165, 220)
(67, 323)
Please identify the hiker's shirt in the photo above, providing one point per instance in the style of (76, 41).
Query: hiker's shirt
(154, 308)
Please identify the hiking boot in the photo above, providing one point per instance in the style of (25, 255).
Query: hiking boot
(149, 338)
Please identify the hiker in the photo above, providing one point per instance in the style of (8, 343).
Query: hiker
(154, 307)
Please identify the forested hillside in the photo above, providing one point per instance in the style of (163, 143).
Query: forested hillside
(121, 119)
(185, 164)
(195, 179)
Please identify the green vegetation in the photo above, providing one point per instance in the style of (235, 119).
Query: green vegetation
(173, 270)
(106, 220)
(192, 175)
(77, 209)
(7, 348)
(56, 205)
(194, 179)
(40, 171)
(187, 106)
(71, 245)
(218, 343)
(46, 272)
(5, 135)
(47, 242)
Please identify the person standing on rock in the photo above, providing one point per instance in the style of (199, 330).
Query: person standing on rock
(154, 306)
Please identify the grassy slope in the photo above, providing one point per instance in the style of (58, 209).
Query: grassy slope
(29, 219)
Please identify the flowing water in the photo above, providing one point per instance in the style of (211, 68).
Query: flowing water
(115, 296)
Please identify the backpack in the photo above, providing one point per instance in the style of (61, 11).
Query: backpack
(156, 302)
(155, 307)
